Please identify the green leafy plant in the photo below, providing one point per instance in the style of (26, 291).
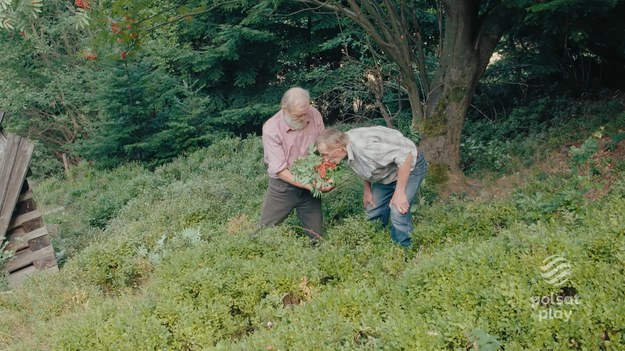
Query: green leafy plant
(483, 341)
(581, 156)
(5, 257)
(312, 169)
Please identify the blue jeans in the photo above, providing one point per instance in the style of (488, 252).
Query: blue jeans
(401, 224)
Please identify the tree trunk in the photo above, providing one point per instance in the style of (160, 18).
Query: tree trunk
(469, 39)
(463, 60)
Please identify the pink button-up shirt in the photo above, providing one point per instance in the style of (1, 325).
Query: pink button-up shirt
(283, 145)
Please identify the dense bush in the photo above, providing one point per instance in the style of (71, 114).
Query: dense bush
(510, 141)
(355, 291)
(178, 265)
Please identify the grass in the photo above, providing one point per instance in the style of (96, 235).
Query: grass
(169, 259)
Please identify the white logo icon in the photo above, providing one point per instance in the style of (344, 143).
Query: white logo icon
(556, 270)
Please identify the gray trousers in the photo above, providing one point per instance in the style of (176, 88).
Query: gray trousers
(281, 198)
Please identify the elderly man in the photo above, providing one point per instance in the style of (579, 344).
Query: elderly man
(286, 137)
(389, 164)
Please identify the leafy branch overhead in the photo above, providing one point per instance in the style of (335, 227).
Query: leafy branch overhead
(17, 14)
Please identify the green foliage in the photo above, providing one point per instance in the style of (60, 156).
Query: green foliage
(492, 155)
(165, 256)
(45, 82)
(529, 133)
(18, 14)
(180, 252)
(483, 341)
(146, 115)
(458, 222)
(5, 257)
(147, 81)
(313, 170)
(538, 205)
(438, 174)
(93, 198)
(580, 156)
(495, 145)
(568, 53)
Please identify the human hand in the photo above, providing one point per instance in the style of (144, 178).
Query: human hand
(367, 199)
(400, 202)
(327, 188)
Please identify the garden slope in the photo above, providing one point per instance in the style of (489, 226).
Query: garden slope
(169, 260)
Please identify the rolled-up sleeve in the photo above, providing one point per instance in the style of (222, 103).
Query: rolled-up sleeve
(274, 155)
(408, 148)
(378, 152)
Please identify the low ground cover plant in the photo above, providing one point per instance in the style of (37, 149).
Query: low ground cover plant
(177, 265)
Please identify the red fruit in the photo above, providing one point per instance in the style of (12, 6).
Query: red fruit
(322, 172)
(84, 4)
(90, 55)
(323, 168)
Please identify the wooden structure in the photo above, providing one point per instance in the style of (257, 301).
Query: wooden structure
(20, 222)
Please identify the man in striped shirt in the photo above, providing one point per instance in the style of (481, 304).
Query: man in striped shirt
(389, 164)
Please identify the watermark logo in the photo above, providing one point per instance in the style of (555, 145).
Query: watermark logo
(556, 270)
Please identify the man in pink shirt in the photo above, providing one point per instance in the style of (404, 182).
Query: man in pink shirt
(286, 137)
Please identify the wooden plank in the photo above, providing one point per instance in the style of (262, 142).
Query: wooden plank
(18, 276)
(6, 167)
(20, 240)
(39, 258)
(24, 219)
(39, 243)
(26, 195)
(45, 261)
(13, 171)
(3, 144)
(3, 138)
(23, 207)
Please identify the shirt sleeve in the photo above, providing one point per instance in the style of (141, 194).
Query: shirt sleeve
(274, 155)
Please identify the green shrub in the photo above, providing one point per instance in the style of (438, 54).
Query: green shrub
(179, 267)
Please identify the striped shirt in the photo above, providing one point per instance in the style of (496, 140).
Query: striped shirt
(375, 153)
(282, 144)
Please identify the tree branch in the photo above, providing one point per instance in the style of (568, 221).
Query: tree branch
(193, 13)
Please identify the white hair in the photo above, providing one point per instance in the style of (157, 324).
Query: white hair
(295, 96)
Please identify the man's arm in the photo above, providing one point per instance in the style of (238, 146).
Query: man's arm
(274, 155)
(367, 195)
(288, 177)
(399, 199)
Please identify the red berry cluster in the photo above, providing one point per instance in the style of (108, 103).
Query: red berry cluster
(90, 55)
(83, 4)
(323, 168)
(125, 35)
